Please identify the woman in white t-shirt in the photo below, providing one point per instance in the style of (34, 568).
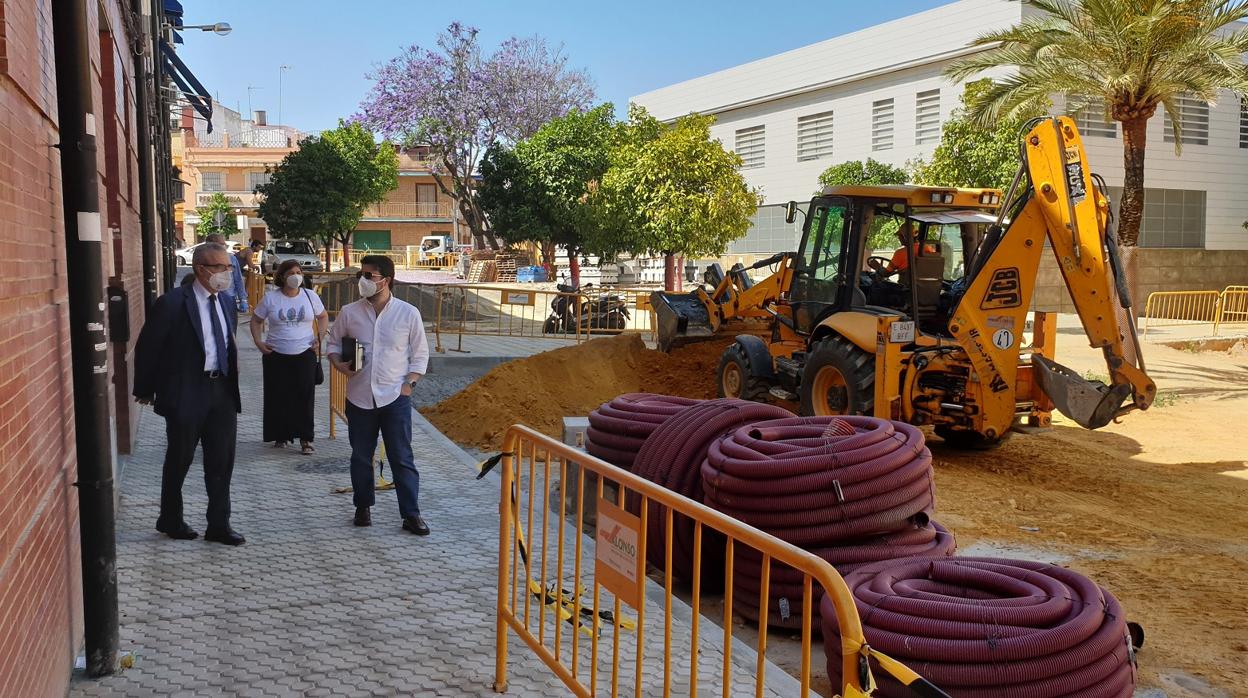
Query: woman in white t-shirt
(296, 321)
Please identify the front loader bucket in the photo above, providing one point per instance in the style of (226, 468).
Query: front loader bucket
(1092, 404)
(682, 318)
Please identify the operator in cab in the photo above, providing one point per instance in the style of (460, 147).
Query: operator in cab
(900, 260)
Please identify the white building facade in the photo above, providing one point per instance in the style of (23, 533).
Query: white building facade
(881, 93)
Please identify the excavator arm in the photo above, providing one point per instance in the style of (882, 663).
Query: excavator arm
(683, 318)
(1059, 202)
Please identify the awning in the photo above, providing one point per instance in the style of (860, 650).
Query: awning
(953, 217)
(186, 80)
(173, 13)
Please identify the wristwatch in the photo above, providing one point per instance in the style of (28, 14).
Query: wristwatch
(411, 384)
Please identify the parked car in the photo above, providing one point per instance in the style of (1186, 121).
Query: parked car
(184, 255)
(302, 251)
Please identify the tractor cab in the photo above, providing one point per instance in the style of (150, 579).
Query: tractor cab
(887, 249)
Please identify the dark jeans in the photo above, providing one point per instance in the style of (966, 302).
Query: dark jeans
(218, 432)
(394, 421)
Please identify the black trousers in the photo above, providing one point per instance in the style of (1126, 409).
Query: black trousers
(289, 396)
(218, 432)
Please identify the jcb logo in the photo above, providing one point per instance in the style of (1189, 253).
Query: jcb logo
(1003, 290)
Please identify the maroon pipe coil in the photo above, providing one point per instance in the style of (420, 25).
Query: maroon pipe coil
(672, 457)
(618, 428)
(786, 585)
(984, 627)
(808, 482)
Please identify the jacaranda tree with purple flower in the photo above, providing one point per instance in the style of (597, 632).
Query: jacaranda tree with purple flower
(459, 102)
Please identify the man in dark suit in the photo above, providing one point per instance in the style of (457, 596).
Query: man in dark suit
(187, 365)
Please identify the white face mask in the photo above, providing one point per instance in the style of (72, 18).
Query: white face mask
(294, 281)
(221, 281)
(368, 288)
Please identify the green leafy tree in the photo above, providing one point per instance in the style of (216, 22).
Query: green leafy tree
(218, 208)
(673, 190)
(539, 190)
(1135, 55)
(883, 230)
(971, 155)
(320, 191)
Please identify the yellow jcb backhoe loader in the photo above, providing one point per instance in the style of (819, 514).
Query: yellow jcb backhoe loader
(949, 343)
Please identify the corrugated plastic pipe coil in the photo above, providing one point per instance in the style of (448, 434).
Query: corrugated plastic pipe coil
(852, 490)
(984, 627)
(672, 456)
(618, 428)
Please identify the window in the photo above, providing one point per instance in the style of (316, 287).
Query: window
(1193, 122)
(882, 125)
(751, 146)
(927, 117)
(1243, 123)
(426, 193)
(1089, 113)
(1172, 217)
(256, 179)
(213, 181)
(814, 136)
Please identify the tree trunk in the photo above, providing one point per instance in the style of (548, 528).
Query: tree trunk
(671, 278)
(1131, 209)
(574, 267)
(346, 250)
(329, 254)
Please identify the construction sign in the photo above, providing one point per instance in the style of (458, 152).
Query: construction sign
(617, 553)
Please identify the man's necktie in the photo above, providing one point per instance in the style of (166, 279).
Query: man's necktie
(223, 359)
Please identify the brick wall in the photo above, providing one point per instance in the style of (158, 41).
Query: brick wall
(40, 572)
(40, 599)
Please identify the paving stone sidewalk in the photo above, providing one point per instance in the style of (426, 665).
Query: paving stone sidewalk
(310, 606)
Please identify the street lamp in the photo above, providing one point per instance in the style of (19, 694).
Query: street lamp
(280, 71)
(220, 28)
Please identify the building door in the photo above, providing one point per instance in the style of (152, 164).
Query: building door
(426, 200)
(371, 240)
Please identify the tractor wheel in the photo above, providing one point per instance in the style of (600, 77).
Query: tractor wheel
(838, 378)
(735, 378)
(965, 439)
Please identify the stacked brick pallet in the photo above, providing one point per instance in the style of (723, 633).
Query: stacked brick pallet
(482, 271)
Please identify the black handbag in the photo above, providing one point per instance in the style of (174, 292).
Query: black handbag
(318, 376)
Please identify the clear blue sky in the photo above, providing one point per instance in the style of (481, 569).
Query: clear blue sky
(626, 47)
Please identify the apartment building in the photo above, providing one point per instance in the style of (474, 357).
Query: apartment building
(881, 93)
(417, 207)
(233, 159)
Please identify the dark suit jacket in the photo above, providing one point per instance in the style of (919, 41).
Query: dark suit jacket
(169, 356)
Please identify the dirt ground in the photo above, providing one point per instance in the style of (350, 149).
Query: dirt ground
(1154, 508)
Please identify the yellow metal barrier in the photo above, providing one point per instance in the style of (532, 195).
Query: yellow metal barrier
(256, 285)
(547, 576)
(1169, 308)
(337, 397)
(516, 311)
(408, 258)
(1215, 308)
(1232, 307)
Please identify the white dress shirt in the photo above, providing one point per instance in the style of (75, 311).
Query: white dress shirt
(205, 322)
(394, 346)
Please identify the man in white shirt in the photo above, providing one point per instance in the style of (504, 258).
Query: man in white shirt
(391, 334)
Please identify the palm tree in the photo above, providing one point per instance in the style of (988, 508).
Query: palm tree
(1131, 54)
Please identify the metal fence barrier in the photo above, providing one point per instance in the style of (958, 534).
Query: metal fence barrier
(567, 596)
(409, 258)
(1187, 308)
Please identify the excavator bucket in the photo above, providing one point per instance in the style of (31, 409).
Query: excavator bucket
(1092, 404)
(682, 318)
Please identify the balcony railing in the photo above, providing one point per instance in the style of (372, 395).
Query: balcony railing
(240, 199)
(437, 210)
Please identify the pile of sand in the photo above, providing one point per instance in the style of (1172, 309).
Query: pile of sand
(539, 391)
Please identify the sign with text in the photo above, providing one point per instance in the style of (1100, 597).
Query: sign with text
(618, 564)
(518, 297)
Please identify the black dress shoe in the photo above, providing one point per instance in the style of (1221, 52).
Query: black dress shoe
(225, 535)
(416, 525)
(363, 517)
(178, 531)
